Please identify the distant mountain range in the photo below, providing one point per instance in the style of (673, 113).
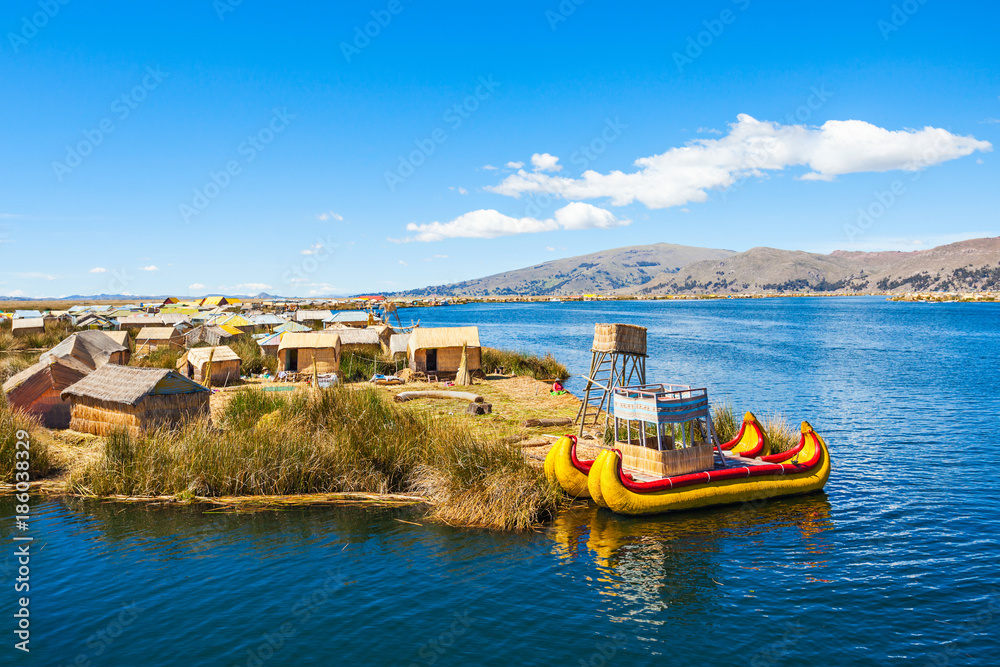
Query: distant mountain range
(663, 268)
(597, 273)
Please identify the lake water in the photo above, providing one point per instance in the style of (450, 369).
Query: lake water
(896, 563)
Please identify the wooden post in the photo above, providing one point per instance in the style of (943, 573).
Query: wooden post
(208, 379)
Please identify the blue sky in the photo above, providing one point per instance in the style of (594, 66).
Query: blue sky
(207, 146)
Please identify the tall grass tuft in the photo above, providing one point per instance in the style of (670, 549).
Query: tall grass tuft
(333, 440)
(783, 437)
(522, 363)
(254, 361)
(37, 459)
(164, 357)
(12, 364)
(725, 422)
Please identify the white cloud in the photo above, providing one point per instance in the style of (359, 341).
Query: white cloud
(488, 223)
(402, 263)
(330, 215)
(514, 165)
(686, 174)
(990, 121)
(98, 269)
(708, 130)
(489, 167)
(550, 248)
(150, 268)
(460, 190)
(313, 249)
(17, 292)
(545, 162)
(440, 256)
(196, 286)
(252, 287)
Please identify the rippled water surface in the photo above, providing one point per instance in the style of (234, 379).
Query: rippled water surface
(896, 563)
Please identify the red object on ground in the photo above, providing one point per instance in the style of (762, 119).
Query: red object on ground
(557, 386)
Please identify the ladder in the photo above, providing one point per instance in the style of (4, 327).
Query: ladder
(605, 375)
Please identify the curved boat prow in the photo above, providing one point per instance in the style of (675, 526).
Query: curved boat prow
(751, 441)
(565, 469)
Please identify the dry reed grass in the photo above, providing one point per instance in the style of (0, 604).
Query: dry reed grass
(334, 440)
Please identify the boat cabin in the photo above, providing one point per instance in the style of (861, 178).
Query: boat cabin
(664, 429)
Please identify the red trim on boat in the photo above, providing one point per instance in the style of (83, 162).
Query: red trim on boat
(732, 443)
(784, 456)
(582, 466)
(710, 476)
(760, 440)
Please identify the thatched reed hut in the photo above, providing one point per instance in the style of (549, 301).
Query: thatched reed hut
(137, 399)
(207, 333)
(155, 338)
(306, 352)
(122, 338)
(439, 349)
(138, 322)
(397, 346)
(225, 365)
(269, 344)
(37, 389)
(26, 326)
(364, 342)
(92, 348)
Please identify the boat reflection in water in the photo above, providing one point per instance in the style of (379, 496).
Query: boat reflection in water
(687, 558)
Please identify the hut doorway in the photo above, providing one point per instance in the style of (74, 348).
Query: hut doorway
(292, 360)
(432, 361)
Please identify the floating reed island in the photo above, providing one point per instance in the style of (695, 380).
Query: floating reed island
(315, 407)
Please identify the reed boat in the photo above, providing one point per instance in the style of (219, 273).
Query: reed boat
(563, 467)
(671, 459)
(735, 479)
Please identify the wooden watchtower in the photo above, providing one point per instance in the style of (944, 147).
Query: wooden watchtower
(618, 359)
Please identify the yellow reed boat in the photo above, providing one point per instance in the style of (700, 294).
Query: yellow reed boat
(649, 471)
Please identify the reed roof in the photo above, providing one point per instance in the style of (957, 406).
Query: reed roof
(53, 373)
(130, 384)
(438, 337)
(157, 333)
(315, 340)
(200, 355)
(28, 323)
(92, 348)
(350, 336)
(398, 342)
